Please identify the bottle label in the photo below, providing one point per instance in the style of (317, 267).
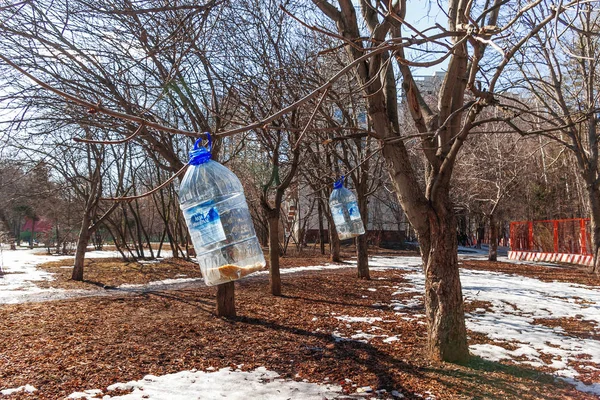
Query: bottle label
(353, 211)
(337, 212)
(205, 225)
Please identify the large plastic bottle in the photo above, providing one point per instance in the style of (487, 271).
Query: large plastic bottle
(215, 210)
(344, 209)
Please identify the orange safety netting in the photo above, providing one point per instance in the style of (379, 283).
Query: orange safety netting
(570, 236)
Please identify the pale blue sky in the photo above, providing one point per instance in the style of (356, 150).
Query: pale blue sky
(423, 15)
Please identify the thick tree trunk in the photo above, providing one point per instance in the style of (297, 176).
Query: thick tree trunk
(493, 249)
(82, 243)
(274, 275)
(226, 300)
(436, 231)
(447, 336)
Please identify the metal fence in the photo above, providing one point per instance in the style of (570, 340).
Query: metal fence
(567, 236)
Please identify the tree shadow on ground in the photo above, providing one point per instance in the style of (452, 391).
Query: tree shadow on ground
(99, 284)
(349, 351)
(183, 296)
(480, 377)
(385, 369)
(331, 302)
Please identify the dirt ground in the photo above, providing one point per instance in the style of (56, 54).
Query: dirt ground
(65, 346)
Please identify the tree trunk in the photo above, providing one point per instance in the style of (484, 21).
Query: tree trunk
(32, 233)
(362, 256)
(160, 244)
(447, 336)
(82, 243)
(274, 276)
(172, 242)
(436, 232)
(334, 242)
(362, 248)
(493, 249)
(321, 229)
(226, 300)
(57, 238)
(480, 236)
(594, 199)
(18, 230)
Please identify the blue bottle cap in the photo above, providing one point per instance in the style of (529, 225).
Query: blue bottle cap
(200, 154)
(339, 183)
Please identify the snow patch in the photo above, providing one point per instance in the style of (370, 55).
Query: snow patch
(222, 384)
(27, 388)
(155, 284)
(368, 320)
(515, 303)
(18, 283)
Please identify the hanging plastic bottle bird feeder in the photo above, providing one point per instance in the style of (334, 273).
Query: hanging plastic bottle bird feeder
(345, 212)
(215, 210)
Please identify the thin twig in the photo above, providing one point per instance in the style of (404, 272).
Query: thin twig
(312, 116)
(98, 107)
(367, 158)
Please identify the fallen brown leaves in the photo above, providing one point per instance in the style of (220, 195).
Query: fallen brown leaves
(112, 272)
(66, 346)
(572, 326)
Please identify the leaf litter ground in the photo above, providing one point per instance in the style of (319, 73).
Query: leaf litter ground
(366, 337)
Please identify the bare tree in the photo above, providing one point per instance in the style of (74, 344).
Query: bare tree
(79, 47)
(269, 69)
(470, 31)
(494, 168)
(378, 55)
(559, 73)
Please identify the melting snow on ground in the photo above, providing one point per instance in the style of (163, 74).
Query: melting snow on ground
(513, 303)
(222, 384)
(19, 274)
(26, 388)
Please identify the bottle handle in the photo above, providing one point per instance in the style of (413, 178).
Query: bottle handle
(199, 142)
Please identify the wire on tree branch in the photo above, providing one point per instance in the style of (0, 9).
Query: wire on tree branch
(156, 189)
(121, 141)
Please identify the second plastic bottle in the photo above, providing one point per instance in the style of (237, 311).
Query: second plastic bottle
(345, 213)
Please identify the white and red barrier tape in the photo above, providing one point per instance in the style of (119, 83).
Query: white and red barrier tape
(581, 259)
